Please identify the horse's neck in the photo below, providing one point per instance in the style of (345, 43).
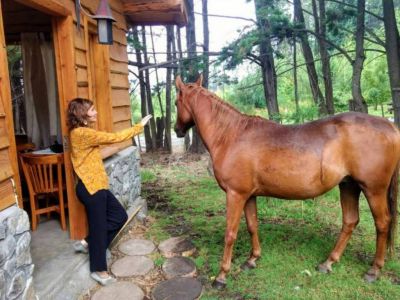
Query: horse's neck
(212, 126)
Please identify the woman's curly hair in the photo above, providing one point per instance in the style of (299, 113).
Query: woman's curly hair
(77, 112)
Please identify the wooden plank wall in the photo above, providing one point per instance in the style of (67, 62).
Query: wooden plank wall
(120, 117)
(8, 159)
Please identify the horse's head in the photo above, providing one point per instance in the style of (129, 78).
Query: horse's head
(184, 117)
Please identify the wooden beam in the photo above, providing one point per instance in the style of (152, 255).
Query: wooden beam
(155, 12)
(166, 6)
(51, 7)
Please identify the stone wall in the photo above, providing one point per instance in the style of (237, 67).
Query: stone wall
(16, 266)
(123, 170)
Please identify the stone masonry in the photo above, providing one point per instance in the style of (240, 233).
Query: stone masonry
(123, 170)
(16, 266)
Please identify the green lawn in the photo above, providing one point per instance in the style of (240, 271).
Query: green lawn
(295, 236)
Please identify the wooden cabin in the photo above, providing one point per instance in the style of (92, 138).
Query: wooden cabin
(82, 68)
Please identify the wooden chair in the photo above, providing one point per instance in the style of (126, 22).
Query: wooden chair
(43, 174)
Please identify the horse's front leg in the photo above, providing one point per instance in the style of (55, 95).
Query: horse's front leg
(234, 208)
(250, 211)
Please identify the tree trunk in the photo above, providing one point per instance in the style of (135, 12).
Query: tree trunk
(206, 44)
(309, 59)
(393, 55)
(158, 91)
(144, 110)
(325, 60)
(180, 71)
(296, 92)
(168, 88)
(360, 104)
(267, 62)
(150, 109)
(197, 145)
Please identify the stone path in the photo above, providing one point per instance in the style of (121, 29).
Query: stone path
(138, 278)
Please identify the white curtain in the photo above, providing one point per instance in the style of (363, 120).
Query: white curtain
(40, 89)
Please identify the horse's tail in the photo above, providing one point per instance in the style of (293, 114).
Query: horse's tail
(392, 203)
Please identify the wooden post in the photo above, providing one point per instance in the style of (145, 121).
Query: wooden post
(63, 31)
(5, 97)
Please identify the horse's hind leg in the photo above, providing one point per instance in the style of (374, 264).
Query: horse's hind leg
(349, 200)
(379, 207)
(250, 211)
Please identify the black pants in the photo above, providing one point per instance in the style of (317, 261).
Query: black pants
(105, 216)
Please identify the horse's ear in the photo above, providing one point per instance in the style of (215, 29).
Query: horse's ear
(199, 80)
(179, 83)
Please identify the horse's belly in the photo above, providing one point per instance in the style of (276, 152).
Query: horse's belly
(296, 182)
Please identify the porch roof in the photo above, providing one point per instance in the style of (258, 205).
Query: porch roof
(155, 12)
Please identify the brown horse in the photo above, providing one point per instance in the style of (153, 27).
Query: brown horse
(253, 156)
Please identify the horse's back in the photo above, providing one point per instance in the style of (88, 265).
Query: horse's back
(301, 161)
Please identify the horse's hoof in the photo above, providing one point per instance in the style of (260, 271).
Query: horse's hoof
(247, 266)
(370, 277)
(219, 285)
(322, 268)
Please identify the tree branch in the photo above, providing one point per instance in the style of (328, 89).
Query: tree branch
(354, 6)
(341, 50)
(303, 64)
(228, 17)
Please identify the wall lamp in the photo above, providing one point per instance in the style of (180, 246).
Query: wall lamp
(104, 21)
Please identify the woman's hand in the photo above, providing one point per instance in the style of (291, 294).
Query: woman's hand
(145, 120)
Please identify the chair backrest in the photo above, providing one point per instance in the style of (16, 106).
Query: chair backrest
(25, 147)
(41, 172)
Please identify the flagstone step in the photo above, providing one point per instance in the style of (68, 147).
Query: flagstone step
(178, 288)
(179, 267)
(137, 247)
(132, 266)
(176, 246)
(120, 290)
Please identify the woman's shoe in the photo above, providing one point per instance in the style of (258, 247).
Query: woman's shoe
(103, 280)
(80, 247)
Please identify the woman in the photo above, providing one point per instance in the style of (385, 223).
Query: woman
(105, 214)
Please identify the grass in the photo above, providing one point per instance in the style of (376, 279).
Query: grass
(295, 236)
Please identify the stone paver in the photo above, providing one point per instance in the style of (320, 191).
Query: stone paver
(178, 289)
(137, 247)
(132, 266)
(179, 266)
(176, 246)
(120, 290)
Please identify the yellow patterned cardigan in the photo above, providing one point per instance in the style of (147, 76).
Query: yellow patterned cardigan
(86, 157)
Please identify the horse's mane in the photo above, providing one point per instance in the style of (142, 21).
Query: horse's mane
(225, 116)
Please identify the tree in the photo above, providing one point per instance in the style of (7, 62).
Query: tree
(320, 29)
(392, 46)
(206, 44)
(267, 57)
(135, 43)
(197, 145)
(358, 99)
(168, 89)
(309, 58)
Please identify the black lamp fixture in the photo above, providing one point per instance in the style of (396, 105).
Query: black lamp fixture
(104, 23)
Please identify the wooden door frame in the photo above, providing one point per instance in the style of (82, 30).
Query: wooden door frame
(64, 48)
